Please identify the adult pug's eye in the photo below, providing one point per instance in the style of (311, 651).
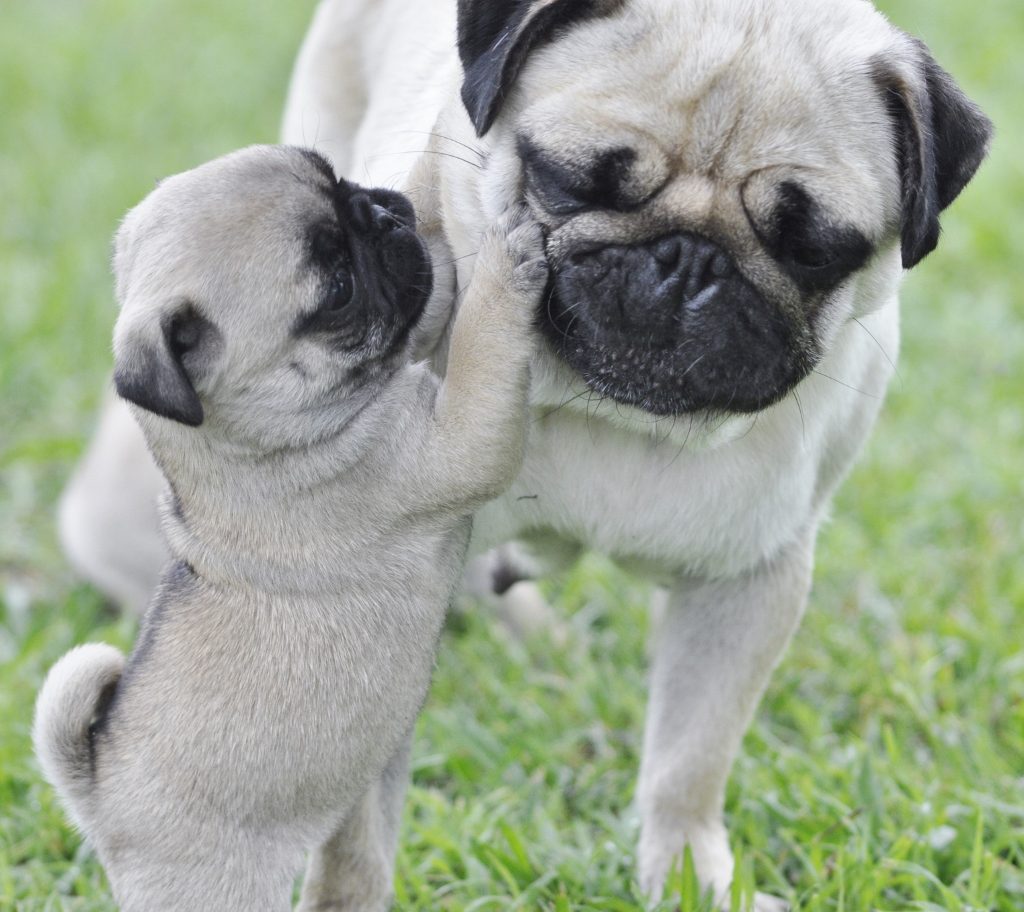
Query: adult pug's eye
(816, 248)
(601, 181)
(340, 294)
(811, 257)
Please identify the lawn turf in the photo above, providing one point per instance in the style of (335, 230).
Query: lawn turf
(886, 766)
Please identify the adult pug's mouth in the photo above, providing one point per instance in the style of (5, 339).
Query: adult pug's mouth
(671, 327)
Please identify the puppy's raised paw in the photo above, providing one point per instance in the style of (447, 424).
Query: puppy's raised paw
(525, 240)
(514, 252)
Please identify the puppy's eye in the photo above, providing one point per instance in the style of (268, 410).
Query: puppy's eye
(340, 294)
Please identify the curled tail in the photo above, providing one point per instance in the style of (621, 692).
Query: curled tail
(75, 692)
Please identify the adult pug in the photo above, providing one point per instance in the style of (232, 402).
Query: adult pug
(732, 191)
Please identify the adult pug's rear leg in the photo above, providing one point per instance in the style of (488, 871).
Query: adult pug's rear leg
(109, 523)
(715, 650)
(504, 579)
(327, 95)
(354, 870)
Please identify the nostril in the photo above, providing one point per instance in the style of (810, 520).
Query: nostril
(720, 266)
(667, 251)
(382, 219)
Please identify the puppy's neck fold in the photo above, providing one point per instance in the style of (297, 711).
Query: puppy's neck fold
(293, 519)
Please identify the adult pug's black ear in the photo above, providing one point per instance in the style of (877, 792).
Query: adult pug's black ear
(941, 138)
(152, 359)
(495, 37)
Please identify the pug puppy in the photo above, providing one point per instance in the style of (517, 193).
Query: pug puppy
(732, 192)
(320, 489)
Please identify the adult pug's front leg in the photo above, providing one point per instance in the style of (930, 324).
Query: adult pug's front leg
(716, 648)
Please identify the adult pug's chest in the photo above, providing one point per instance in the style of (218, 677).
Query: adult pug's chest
(693, 505)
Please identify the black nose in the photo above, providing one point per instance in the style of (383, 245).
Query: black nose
(368, 217)
(675, 271)
(689, 264)
(377, 211)
(672, 325)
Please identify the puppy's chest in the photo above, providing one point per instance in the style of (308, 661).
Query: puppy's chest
(714, 511)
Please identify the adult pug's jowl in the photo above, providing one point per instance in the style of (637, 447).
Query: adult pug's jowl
(732, 190)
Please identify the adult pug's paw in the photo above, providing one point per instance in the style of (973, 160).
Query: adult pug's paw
(661, 852)
(763, 902)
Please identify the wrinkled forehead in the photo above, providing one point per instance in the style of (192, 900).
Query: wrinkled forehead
(719, 88)
(249, 199)
(232, 220)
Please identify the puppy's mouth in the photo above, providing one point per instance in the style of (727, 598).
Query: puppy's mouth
(672, 327)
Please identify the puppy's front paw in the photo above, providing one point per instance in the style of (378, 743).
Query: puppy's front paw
(525, 240)
(514, 253)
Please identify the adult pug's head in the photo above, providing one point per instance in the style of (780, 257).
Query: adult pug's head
(262, 298)
(725, 183)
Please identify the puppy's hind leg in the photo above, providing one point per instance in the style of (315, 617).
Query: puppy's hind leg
(354, 870)
(192, 869)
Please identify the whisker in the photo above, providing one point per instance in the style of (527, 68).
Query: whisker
(800, 409)
(885, 354)
(465, 161)
(392, 182)
(693, 364)
(750, 430)
(590, 399)
(476, 150)
(316, 132)
(682, 446)
(551, 317)
(565, 402)
(668, 435)
(847, 385)
(458, 258)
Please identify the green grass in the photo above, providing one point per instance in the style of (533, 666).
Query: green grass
(886, 766)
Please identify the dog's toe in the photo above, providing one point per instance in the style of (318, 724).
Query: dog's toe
(764, 902)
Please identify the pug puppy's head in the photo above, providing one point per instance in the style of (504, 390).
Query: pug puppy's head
(264, 299)
(725, 183)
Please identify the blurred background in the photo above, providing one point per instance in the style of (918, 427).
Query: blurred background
(886, 767)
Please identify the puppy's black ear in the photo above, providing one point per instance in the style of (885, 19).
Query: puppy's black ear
(151, 364)
(495, 37)
(941, 138)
